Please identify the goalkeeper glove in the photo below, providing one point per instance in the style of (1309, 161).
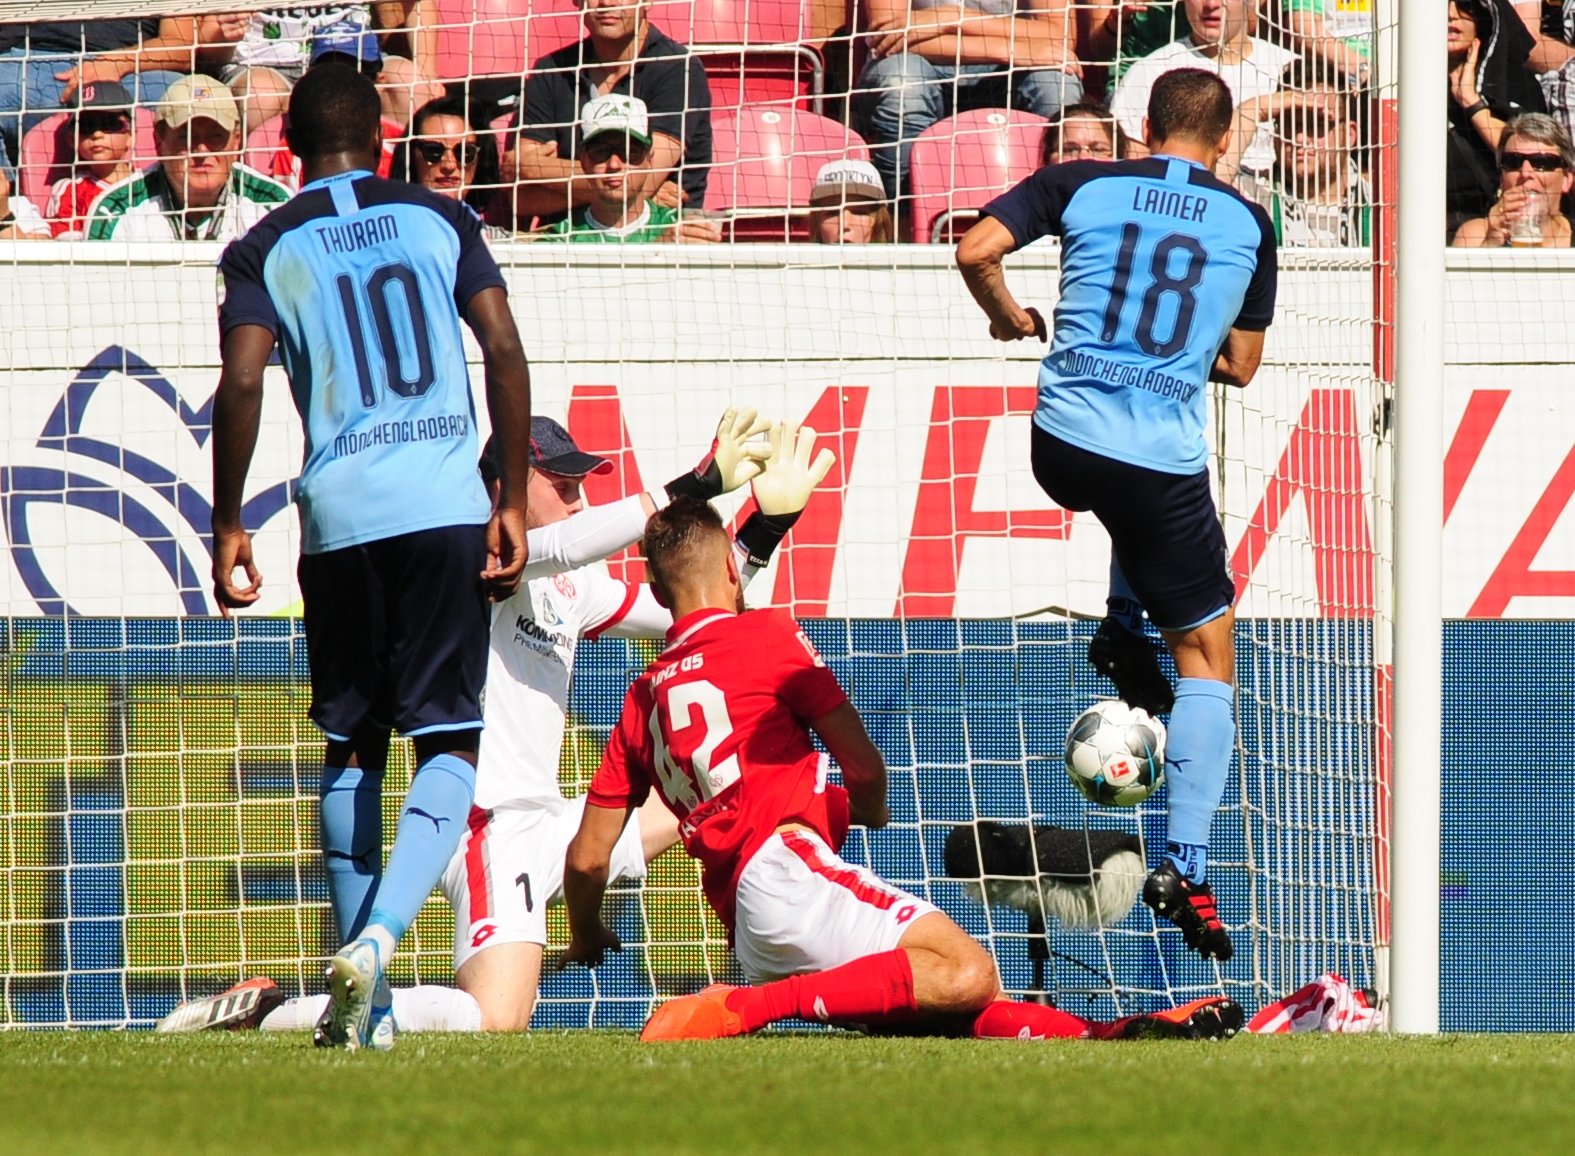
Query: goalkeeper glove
(791, 472)
(733, 460)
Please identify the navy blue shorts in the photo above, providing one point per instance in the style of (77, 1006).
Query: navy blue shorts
(1163, 528)
(397, 632)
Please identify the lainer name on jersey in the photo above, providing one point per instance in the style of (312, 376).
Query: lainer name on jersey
(358, 234)
(1168, 203)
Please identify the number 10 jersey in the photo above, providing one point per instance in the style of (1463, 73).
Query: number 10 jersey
(1159, 261)
(363, 282)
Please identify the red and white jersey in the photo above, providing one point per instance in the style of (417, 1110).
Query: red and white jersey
(719, 726)
(535, 634)
(70, 200)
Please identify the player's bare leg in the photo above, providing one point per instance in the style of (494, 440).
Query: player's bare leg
(503, 979)
(1202, 733)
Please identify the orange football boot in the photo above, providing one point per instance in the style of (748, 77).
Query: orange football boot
(702, 1016)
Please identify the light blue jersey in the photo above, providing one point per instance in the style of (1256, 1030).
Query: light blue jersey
(364, 282)
(1159, 261)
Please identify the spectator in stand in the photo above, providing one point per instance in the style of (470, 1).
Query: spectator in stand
(446, 154)
(624, 54)
(101, 130)
(342, 46)
(616, 145)
(1316, 195)
(42, 65)
(1335, 31)
(848, 206)
(1489, 85)
(279, 45)
(1218, 41)
(1535, 163)
(932, 58)
(1130, 30)
(19, 217)
(197, 191)
(1552, 56)
(1082, 132)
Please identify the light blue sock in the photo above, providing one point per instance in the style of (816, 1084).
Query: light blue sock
(352, 841)
(1197, 758)
(1122, 602)
(429, 829)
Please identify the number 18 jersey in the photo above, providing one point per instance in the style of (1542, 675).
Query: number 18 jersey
(1159, 261)
(363, 281)
(718, 724)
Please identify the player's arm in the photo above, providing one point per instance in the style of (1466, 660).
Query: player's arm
(735, 457)
(863, 769)
(1242, 351)
(237, 415)
(585, 869)
(979, 256)
(507, 379)
(1238, 358)
(621, 784)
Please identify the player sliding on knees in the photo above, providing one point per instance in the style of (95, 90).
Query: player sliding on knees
(1167, 282)
(721, 727)
(508, 867)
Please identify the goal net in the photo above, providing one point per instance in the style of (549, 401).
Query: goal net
(158, 775)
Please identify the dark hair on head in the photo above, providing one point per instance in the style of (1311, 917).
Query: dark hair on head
(1190, 104)
(673, 534)
(332, 110)
(1082, 110)
(484, 185)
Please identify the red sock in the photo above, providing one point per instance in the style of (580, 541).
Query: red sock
(1008, 1020)
(866, 989)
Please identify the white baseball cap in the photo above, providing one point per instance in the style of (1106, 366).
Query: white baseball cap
(842, 181)
(613, 112)
(199, 96)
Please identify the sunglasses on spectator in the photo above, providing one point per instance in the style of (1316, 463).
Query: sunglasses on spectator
(89, 125)
(1540, 162)
(433, 152)
(631, 151)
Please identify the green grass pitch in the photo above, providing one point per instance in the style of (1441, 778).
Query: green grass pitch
(598, 1092)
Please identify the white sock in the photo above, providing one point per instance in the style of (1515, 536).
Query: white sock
(295, 1015)
(384, 939)
(430, 1008)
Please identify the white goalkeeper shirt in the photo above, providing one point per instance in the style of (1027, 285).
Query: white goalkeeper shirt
(535, 635)
(568, 595)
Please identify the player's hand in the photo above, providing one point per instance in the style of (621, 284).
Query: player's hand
(735, 458)
(589, 951)
(874, 816)
(792, 469)
(507, 551)
(1031, 323)
(669, 195)
(232, 550)
(694, 231)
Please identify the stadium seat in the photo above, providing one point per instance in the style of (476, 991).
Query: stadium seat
(963, 161)
(501, 37)
(47, 149)
(764, 160)
(754, 50)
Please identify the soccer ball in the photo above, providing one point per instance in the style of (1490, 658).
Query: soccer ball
(1115, 754)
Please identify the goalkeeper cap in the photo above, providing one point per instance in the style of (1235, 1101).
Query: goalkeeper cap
(551, 450)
